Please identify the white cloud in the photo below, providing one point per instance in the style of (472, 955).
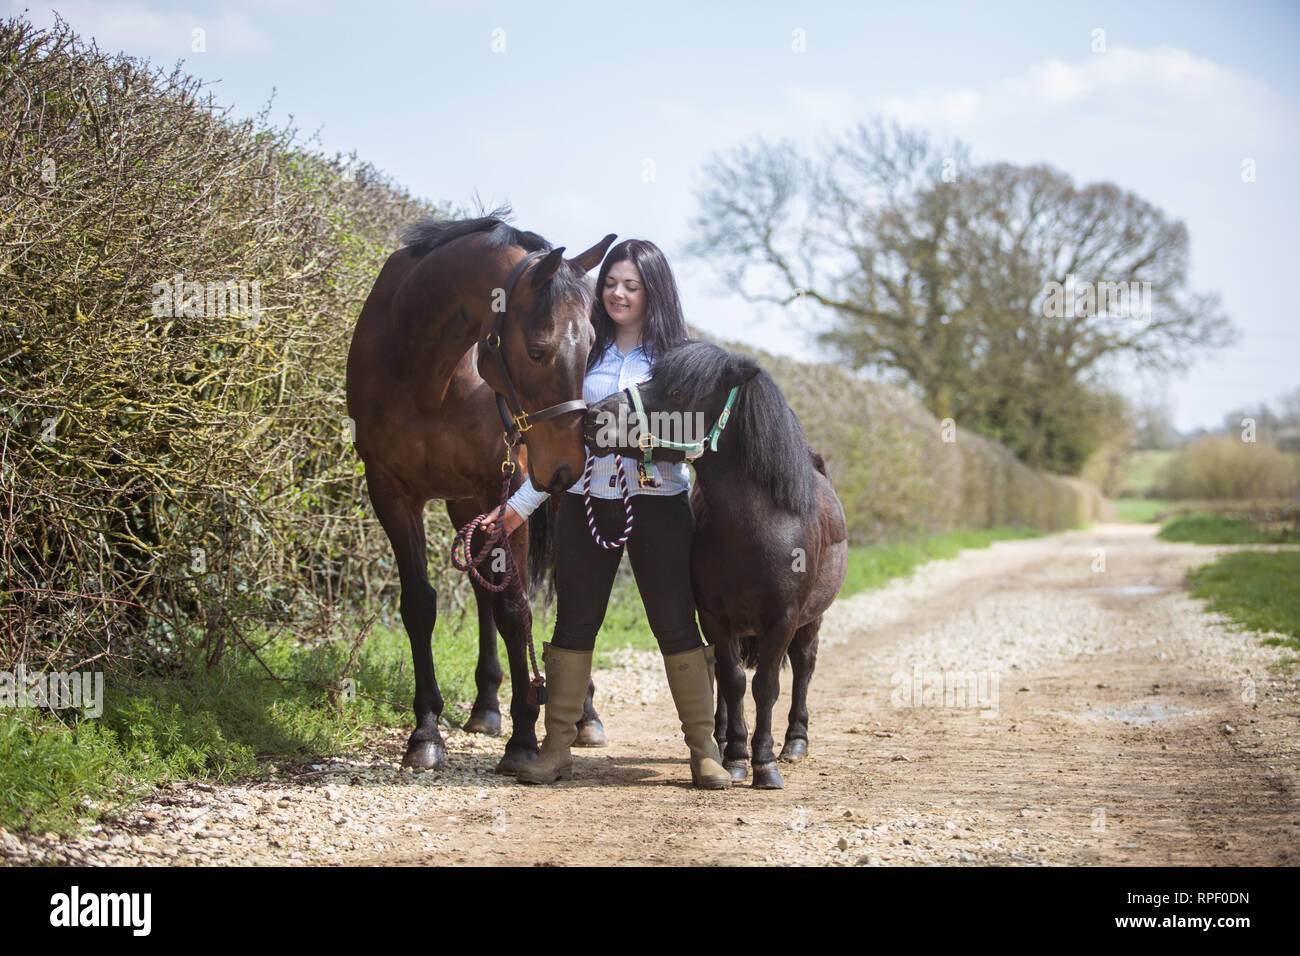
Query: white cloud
(1125, 95)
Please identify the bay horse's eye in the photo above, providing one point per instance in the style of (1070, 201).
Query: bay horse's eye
(536, 354)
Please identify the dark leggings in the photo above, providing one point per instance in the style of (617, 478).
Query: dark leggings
(660, 551)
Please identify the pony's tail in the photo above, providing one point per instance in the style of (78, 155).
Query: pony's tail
(541, 554)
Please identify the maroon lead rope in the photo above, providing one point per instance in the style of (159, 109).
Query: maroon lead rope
(463, 559)
(627, 503)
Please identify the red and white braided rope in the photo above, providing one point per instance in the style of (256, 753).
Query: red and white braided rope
(627, 503)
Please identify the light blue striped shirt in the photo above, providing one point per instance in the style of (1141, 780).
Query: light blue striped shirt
(613, 373)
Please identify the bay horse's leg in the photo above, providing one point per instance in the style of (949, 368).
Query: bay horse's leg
(729, 718)
(403, 522)
(803, 658)
(485, 715)
(521, 748)
(772, 647)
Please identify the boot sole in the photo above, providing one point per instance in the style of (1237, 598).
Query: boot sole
(523, 777)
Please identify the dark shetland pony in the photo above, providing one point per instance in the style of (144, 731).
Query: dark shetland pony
(771, 544)
(420, 393)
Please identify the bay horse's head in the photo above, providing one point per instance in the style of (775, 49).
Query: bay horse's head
(536, 358)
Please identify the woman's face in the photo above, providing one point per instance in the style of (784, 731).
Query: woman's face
(624, 296)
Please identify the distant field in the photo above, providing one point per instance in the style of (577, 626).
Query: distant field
(1143, 470)
(1140, 510)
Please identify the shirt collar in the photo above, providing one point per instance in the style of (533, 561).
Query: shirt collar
(613, 347)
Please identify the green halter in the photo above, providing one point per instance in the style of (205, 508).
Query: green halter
(647, 441)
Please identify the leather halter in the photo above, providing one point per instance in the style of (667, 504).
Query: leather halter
(513, 417)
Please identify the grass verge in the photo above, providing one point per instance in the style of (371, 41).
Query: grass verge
(1202, 528)
(1259, 590)
(60, 769)
(875, 565)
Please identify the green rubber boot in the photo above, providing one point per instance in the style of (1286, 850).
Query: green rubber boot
(567, 675)
(691, 681)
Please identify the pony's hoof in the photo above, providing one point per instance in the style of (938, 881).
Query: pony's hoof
(739, 770)
(591, 734)
(767, 777)
(794, 749)
(488, 722)
(424, 755)
(513, 760)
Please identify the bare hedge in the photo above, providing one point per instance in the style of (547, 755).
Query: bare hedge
(1227, 468)
(177, 293)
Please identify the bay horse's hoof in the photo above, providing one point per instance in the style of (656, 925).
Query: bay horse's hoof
(738, 769)
(514, 759)
(488, 722)
(767, 777)
(591, 734)
(425, 755)
(794, 749)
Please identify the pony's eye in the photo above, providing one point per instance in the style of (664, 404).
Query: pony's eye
(676, 394)
(536, 354)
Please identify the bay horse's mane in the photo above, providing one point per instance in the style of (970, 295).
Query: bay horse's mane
(773, 449)
(428, 234)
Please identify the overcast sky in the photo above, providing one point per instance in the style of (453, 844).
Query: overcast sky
(561, 122)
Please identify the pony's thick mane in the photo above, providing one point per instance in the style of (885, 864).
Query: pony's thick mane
(774, 451)
(429, 234)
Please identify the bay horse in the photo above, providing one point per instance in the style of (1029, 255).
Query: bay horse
(770, 550)
(422, 396)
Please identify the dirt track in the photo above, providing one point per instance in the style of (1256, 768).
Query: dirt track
(1128, 727)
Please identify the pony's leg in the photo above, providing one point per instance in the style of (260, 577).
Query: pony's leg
(803, 658)
(591, 732)
(772, 645)
(729, 719)
(403, 522)
(521, 748)
(731, 688)
(485, 715)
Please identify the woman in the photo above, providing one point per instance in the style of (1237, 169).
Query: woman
(638, 316)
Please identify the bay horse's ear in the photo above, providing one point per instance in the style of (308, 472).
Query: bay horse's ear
(547, 267)
(586, 261)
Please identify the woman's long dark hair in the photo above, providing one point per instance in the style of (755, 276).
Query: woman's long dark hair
(665, 326)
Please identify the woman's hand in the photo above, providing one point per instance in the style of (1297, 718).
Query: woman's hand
(512, 520)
